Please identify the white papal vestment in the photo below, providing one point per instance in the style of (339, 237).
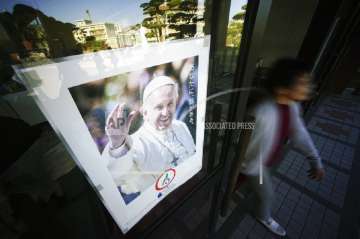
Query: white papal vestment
(148, 152)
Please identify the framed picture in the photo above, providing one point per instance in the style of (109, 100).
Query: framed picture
(132, 118)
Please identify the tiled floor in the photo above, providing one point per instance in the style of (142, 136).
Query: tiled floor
(334, 152)
(306, 208)
(335, 130)
(338, 114)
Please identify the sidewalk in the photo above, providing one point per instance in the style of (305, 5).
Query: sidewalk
(309, 209)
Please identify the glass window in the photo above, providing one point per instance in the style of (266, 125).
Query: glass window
(38, 31)
(228, 34)
(34, 31)
(227, 52)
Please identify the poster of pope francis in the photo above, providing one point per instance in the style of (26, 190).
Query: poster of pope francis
(143, 122)
(133, 119)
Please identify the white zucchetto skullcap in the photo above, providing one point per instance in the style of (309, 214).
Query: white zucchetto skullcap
(156, 83)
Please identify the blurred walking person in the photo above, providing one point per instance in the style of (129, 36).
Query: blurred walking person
(277, 119)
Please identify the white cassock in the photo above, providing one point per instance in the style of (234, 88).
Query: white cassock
(149, 152)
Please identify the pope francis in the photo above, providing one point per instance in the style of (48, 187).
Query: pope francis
(136, 161)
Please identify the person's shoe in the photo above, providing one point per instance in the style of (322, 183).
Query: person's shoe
(273, 226)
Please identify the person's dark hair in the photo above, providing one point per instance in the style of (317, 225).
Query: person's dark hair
(284, 73)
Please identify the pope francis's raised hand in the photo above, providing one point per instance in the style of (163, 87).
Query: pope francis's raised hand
(118, 125)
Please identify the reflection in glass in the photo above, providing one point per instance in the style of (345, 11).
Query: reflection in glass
(34, 32)
(227, 53)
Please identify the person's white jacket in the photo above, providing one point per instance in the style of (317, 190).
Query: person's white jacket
(263, 136)
(136, 165)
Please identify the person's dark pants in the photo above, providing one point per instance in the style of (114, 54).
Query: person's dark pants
(264, 193)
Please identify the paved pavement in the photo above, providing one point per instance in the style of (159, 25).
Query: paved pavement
(327, 209)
